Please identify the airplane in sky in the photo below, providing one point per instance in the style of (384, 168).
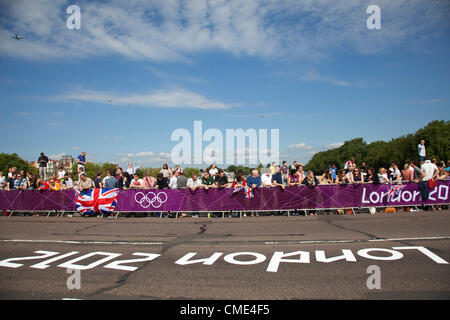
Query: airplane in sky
(16, 36)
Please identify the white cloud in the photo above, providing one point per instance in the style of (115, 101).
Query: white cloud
(176, 98)
(300, 146)
(333, 145)
(175, 30)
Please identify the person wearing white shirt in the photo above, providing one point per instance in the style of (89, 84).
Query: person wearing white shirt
(173, 181)
(266, 178)
(61, 173)
(132, 170)
(213, 171)
(421, 150)
(429, 169)
(137, 183)
(193, 183)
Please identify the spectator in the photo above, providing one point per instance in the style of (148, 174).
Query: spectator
(273, 168)
(119, 178)
(448, 166)
(327, 177)
(68, 182)
(350, 164)
(342, 177)
(442, 174)
(310, 179)
(383, 175)
(178, 169)
(429, 169)
(55, 185)
(2, 181)
(333, 171)
(363, 168)
(266, 178)
(357, 176)
(10, 181)
(33, 182)
(301, 173)
(277, 178)
(181, 180)
(294, 178)
(149, 181)
(161, 182)
(109, 182)
(421, 150)
(98, 180)
(173, 180)
(61, 173)
(254, 180)
(85, 182)
(285, 172)
(43, 160)
(116, 171)
(20, 182)
(418, 174)
(193, 183)
(136, 183)
(165, 171)
(81, 159)
(132, 170)
(239, 180)
(126, 180)
(407, 174)
(372, 176)
(207, 181)
(221, 180)
(42, 185)
(213, 171)
(394, 173)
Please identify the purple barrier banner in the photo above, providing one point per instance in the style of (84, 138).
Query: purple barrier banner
(296, 197)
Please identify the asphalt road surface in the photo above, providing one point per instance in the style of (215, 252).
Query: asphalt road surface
(363, 256)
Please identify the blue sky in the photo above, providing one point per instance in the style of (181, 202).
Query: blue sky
(137, 70)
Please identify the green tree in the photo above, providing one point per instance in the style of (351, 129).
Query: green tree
(12, 160)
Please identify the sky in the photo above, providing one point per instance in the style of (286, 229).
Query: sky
(135, 71)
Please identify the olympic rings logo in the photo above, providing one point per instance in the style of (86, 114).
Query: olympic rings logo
(145, 201)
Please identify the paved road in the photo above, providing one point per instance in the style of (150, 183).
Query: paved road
(266, 257)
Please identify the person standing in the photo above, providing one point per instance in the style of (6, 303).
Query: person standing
(43, 160)
(82, 161)
(421, 150)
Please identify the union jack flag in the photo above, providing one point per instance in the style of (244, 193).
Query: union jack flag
(395, 189)
(96, 201)
(248, 193)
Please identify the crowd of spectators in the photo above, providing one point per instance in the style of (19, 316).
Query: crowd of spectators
(418, 171)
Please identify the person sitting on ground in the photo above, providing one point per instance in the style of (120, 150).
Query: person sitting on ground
(294, 178)
(254, 180)
(161, 182)
(221, 180)
(310, 179)
(372, 176)
(277, 178)
(207, 181)
(193, 183)
(266, 178)
(327, 177)
(342, 177)
(383, 175)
